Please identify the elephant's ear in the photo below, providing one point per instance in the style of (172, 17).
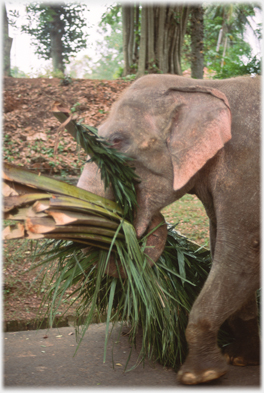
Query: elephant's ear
(199, 128)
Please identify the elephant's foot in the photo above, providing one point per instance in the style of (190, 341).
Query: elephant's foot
(243, 353)
(201, 369)
(245, 350)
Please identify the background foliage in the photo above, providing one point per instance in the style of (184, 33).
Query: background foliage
(238, 59)
(233, 19)
(70, 22)
(232, 57)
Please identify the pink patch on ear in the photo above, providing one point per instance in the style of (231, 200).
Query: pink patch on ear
(218, 132)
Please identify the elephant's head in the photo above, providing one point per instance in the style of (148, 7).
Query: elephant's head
(171, 131)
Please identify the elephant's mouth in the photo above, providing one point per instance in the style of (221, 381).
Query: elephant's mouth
(144, 224)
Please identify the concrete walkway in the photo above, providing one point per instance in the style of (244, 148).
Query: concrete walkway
(44, 358)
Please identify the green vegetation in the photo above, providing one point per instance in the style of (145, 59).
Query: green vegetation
(224, 24)
(56, 31)
(17, 73)
(233, 56)
(109, 66)
(188, 214)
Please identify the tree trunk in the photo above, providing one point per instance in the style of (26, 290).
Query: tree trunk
(197, 36)
(143, 44)
(183, 12)
(131, 35)
(224, 53)
(56, 41)
(137, 35)
(165, 67)
(7, 45)
(129, 14)
(172, 32)
(162, 31)
(125, 23)
(151, 51)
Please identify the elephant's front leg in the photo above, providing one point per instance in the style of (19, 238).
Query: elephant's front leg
(229, 285)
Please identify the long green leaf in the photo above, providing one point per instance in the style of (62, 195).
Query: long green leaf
(110, 304)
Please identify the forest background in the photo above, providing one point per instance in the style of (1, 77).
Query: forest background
(228, 40)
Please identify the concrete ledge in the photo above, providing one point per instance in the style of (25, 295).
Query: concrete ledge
(38, 323)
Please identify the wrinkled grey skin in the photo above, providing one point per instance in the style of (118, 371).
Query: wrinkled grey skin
(181, 142)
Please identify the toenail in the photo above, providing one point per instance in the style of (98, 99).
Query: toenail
(209, 375)
(189, 378)
(239, 362)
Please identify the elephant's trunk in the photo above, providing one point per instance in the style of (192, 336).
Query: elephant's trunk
(90, 180)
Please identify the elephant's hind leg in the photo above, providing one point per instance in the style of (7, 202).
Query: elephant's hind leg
(227, 288)
(245, 350)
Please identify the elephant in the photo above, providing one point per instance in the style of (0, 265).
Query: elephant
(200, 137)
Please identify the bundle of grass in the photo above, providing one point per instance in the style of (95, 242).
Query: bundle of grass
(86, 233)
(154, 301)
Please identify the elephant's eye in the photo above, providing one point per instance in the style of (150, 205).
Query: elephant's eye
(116, 141)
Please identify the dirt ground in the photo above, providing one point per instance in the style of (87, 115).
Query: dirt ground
(30, 129)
